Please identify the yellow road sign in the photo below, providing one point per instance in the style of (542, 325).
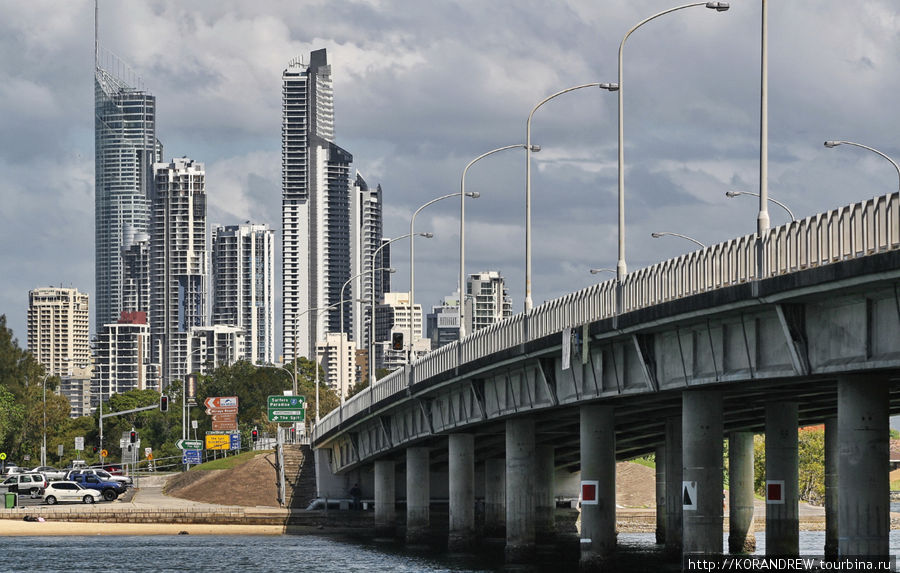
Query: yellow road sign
(218, 441)
(104, 454)
(149, 456)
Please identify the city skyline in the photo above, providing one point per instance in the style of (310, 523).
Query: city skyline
(413, 115)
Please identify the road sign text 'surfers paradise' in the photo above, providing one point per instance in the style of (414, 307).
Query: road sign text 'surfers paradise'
(287, 408)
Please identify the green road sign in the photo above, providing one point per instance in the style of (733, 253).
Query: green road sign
(189, 444)
(287, 408)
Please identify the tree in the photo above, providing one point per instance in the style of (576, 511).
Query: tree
(811, 464)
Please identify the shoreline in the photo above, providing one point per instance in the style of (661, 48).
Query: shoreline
(20, 528)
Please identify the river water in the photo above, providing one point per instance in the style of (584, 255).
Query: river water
(306, 553)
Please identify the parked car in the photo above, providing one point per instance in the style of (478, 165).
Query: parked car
(14, 469)
(23, 483)
(111, 468)
(60, 491)
(51, 473)
(102, 474)
(109, 489)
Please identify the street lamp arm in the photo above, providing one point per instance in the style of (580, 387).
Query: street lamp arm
(771, 199)
(659, 234)
(830, 144)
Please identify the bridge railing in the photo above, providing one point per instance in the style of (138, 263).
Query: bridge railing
(857, 230)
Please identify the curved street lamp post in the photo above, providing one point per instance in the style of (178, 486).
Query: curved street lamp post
(621, 268)
(660, 234)
(732, 194)
(412, 264)
(528, 149)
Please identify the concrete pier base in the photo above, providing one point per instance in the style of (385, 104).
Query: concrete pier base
(782, 458)
(674, 474)
(495, 497)
(385, 499)
(701, 416)
(520, 449)
(461, 537)
(831, 487)
(598, 470)
(863, 467)
(418, 496)
(740, 493)
(544, 494)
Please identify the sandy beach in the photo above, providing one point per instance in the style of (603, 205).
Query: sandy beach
(13, 527)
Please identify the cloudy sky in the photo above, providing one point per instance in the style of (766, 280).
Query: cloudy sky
(421, 88)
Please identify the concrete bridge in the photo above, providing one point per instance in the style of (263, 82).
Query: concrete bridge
(800, 327)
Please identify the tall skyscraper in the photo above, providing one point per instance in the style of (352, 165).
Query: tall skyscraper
(58, 329)
(316, 196)
(178, 263)
(366, 237)
(243, 267)
(136, 276)
(125, 148)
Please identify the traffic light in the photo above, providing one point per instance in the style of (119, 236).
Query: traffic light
(163, 403)
(132, 437)
(96, 449)
(293, 434)
(397, 341)
(254, 435)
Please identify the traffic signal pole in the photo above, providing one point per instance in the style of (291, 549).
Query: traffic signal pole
(111, 414)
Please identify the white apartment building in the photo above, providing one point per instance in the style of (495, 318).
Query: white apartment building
(178, 261)
(365, 238)
(58, 328)
(77, 388)
(243, 265)
(123, 360)
(487, 300)
(393, 318)
(337, 357)
(214, 346)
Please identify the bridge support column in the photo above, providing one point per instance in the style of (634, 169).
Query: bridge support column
(462, 492)
(674, 474)
(701, 415)
(544, 494)
(385, 514)
(598, 464)
(831, 487)
(863, 466)
(418, 495)
(520, 490)
(660, 495)
(782, 495)
(495, 497)
(740, 493)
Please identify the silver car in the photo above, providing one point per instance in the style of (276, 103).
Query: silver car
(21, 484)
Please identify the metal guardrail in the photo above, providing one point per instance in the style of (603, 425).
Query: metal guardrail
(848, 232)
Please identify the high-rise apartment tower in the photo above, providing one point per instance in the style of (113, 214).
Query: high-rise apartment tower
(58, 329)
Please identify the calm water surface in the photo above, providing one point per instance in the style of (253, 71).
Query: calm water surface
(289, 553)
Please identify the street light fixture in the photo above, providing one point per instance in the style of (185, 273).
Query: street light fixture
(621, 268)
(830, 144)
(597, 271)
(657, 235)
(412, 265)
(732, 194)
(427, 235)
(528, 149)
(462, 230)
(382, 269)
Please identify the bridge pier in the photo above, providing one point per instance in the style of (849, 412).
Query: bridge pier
(418, 496)
(660, 495)
(674, 473)
(782, 495)
(598, 464)
(544, 494)
(863, 466)
(495, 497)
(462, 492)
(832, 455)
(740, 493)
(385, 499)
(702, 480)
(520, 465)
